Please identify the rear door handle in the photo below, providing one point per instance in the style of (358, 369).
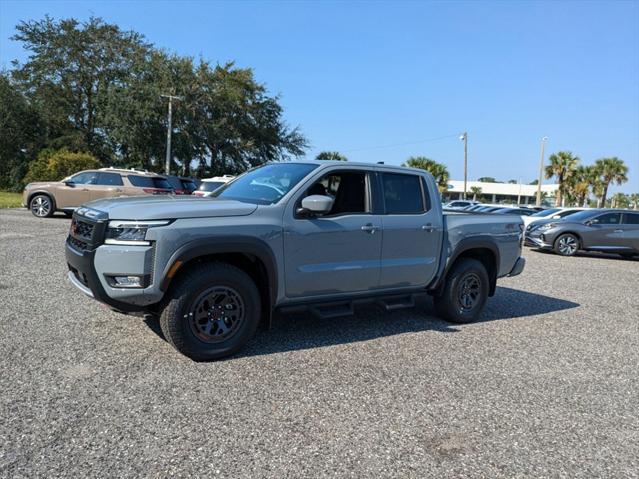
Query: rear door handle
(428, 228)
(618, 231)
(369, 228)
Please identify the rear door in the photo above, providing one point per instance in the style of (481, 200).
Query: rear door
(630, 234)
(412, 230)
(604, 232)
(108, 185)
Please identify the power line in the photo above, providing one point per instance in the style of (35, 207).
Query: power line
(401, 144)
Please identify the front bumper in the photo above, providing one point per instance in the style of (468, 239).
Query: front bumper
(537, 240)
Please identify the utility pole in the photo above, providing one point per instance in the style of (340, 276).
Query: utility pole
(167, 166)
(464, 138)
(541, 170)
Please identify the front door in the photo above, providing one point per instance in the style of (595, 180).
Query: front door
(412, 231)
(338, 252)
(76, 191)
(605, 232)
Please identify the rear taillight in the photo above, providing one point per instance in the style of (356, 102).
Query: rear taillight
(198, 193)
(156, 191)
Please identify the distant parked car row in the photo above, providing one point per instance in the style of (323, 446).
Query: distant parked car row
(47, 197)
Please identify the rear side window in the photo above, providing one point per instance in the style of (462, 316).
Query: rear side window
(189, 185)
(149, 182)
(112, 179)
(631, 219)
(402, 194)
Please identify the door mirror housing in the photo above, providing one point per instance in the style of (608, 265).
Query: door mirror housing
(316, 204)
(69, 183)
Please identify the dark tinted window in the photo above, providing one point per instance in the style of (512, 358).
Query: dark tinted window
(402, 194)
(88, 178)
(112, 179)
(189, 185)
(608, 219)
(265, 185)
(548, 212)
(149, 182)
(561, 214)
(631, 218)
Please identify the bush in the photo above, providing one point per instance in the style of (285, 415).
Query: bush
(54, 165)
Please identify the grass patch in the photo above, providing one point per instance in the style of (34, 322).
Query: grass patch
(9, 199)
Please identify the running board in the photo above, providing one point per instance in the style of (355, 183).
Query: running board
(328, 311)
(397, 302)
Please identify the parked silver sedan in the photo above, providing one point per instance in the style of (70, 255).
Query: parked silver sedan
(606, 230)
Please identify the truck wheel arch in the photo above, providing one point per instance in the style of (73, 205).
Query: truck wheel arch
(482, 250)
(227, 249)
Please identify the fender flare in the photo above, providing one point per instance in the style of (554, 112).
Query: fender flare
(468, 244)
(226, 244)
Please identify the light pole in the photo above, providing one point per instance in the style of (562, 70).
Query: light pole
(464, 137)
(167, 166)
(541, 170)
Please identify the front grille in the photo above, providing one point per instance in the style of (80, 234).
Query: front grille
(77, 244)
(82, 229)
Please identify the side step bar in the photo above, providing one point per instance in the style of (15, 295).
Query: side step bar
(336, 309)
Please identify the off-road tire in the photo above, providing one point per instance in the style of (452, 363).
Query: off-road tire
(449, 305)
(566, 244)
(176, 318)
(42, 206)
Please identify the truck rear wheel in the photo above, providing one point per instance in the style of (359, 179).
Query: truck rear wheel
(211, 311)
(465, 292)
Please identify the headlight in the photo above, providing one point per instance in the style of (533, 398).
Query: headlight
(546, 227)
(130, 232)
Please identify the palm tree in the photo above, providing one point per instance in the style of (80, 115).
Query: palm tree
(562, 165)
(331, 156)
(438, 170)
(634, 200)
(610, 170)
(620, 200)
(580, 183)
(476, 191)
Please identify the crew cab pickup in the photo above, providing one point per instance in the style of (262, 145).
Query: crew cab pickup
(320, 236)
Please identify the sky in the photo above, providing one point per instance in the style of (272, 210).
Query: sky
(382, 81)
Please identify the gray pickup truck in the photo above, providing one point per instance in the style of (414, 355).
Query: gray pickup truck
(320, 236)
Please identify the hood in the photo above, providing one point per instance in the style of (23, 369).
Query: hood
(39, 184)
(162, 207)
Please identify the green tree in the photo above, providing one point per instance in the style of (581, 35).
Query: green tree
(20, 134)
(620, 200)
(331, 156)
(580, 184)
(476, 191)
(562, 166)
(634, 201)
(438, 170)
(56, 165)
(609, 170)
(488, 179)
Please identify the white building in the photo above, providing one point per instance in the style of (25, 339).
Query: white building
(501, 192)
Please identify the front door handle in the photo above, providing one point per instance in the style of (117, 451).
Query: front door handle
(369, 228)
(85, 189)
(618, 231)
(428, 228)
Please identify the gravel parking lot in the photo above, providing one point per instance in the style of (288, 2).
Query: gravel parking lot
(545, 386)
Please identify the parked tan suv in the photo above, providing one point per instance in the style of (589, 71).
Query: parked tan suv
(45, 198)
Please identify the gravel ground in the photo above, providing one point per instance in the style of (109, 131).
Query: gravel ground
(545, 386)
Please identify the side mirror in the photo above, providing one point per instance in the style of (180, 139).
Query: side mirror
(316, 204)
(70, 183)
(590, 222)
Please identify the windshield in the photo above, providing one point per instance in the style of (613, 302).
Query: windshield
(265, 185)
(544, 213)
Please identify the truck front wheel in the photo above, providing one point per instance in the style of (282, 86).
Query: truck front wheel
(465, 292)
(211, 311)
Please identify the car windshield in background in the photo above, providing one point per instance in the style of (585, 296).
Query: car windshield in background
(265, 185)
(548, 212)
(210, 185)
(149, 182)
(189, 185)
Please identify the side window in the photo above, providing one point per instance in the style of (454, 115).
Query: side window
(348, 188)
(86, 178)
(402, 194)
(608, 219)
(111, 179)
(631, 219)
